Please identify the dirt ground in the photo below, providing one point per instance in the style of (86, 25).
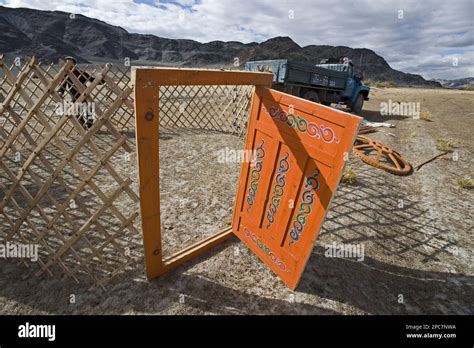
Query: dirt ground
(416, 232)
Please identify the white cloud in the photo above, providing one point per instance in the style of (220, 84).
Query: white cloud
(424, 41)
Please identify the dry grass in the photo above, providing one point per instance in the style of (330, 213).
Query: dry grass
(446, 144)
(386, 84)
(381, 84)
(426, 116)
(465, 183)
(348, 176)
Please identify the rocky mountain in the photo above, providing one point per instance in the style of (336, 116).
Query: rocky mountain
(465, 83)
(51, 35)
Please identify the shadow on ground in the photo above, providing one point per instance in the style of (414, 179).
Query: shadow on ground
(375, 116)
(403, 244)
(202, 295)
(377, 287)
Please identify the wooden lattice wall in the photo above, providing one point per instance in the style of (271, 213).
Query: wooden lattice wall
(53, 167)
(64, 183)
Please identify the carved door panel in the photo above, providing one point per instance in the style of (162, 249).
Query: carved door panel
(298, 151)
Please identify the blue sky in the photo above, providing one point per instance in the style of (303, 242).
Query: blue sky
(434, 38)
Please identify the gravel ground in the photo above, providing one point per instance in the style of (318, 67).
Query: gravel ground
(416, 232)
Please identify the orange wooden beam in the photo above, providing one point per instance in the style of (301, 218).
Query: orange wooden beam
(147, 133)
(148, 77)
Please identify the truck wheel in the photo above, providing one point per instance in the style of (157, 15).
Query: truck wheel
(311, 95)
(358, 104)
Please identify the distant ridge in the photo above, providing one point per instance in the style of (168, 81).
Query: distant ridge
(51, 35)
(465, 83)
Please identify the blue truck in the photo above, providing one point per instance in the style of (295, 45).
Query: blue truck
(331, 81)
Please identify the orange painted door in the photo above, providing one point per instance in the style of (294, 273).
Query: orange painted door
(297, 150)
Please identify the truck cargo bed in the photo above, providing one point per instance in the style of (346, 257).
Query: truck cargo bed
(285, 71)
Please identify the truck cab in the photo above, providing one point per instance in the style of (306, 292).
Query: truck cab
(355, 92)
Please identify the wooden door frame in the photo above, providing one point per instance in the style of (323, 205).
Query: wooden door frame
(146, 81)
